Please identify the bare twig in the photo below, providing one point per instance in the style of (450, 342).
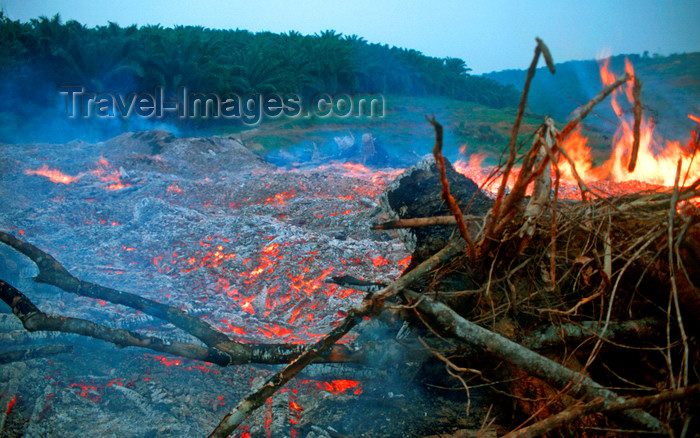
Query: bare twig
(547, 55)
(450, 365)
(514, 131)
(587, 108)
(672, 270)
(446, 195)
(581, 185)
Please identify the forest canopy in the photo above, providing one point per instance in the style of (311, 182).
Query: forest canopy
(38, 56)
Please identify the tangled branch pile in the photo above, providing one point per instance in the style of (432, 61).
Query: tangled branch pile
(608, 288)
(605, 290)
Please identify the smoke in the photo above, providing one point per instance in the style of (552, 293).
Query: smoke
(33, 111)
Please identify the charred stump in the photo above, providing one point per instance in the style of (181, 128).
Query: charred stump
(417, 194)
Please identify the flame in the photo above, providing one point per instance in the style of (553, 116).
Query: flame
(655, 164)
(474, 170)
(53, 174)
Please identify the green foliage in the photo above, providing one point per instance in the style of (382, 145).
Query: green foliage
(114, 59)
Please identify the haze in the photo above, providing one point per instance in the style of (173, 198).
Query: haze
(489, 36)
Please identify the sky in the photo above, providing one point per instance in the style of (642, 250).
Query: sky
(490, 35)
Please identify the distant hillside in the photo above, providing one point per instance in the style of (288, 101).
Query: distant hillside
(670, 90)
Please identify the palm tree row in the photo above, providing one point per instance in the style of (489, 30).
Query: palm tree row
(116, 59)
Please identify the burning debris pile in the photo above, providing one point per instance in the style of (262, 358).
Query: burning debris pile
(225, 265)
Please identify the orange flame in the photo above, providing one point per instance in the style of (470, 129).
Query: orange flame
(107, 173)
(52, 174)
(655, 165)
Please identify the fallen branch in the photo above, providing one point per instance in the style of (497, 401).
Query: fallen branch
(418, 222)
(547, 370)
(600, 404)
(370, 306)
(556, 335)
(53, 273)
(34, 319)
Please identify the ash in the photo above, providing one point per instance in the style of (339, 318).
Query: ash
(205, 225)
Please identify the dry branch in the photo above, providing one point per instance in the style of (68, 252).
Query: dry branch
(417, 222)
(446, 195)
(588, 107)
(543, 183)
(555, 336)
(34, 319)
(555, 374)
(370, 306)
(512, 144)
(600, 404)
(547, 55)
(636, 92)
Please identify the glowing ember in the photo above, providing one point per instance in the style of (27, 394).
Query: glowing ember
(337, 386)
(52, 174)
(340, 386)
(173, 188)
(279, 198)
(11, 404)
